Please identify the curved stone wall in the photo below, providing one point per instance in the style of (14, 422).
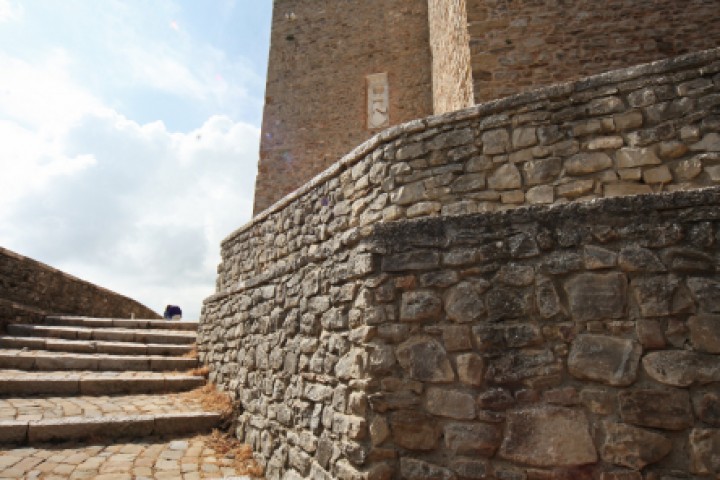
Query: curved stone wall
(29, 290)
(370, 331)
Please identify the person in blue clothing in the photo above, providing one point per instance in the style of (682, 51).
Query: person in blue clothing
(172, 312)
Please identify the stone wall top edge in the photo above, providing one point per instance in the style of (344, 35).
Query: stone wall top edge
(486, 108)
(72, 278)
(630, 204)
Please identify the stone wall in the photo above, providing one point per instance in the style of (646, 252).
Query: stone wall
(577, 342)
(516, 46)
(316, 103)
(450, 49)
(29, 290)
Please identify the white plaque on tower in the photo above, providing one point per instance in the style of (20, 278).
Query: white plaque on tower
(378, 115)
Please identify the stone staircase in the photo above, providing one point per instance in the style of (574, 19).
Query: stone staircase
(78, 379)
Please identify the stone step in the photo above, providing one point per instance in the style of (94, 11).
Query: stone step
(94, 346)
(46, 361)
(188, 457)
(28, 432)
(105, 334)
(91, 322)
(14, 383)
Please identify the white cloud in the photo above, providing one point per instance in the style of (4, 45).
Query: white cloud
(133, 207)
(10, 12)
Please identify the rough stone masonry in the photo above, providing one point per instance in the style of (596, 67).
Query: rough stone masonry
(482, 330)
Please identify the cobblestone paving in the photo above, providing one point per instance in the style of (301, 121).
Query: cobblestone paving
(185, 459)
(26, 409)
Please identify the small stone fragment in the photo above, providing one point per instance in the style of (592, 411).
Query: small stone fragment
(506, 177)
(584, 163)
(424, 359)
(681, 368)
(414, 430)
(472, 438)
(633, 447)
(666, 409)
(705, 451)
(420, 305)
(610, 360)
(597, 296)
(705, 333)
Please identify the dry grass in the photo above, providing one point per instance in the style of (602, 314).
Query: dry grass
(230, 447)
(202, 371)
(212, 399)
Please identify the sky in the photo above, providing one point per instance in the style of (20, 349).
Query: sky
(129, 138)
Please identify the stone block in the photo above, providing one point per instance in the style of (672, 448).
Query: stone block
(705, 451)
(548, 436)
(468, 183)
(622, 189)
(575, 189)
(524, 137)
(412, 469)
(638, 259)
(450, 403)
(598, 257)
(472, 438)
(409, 194)
(421, 305)
(505, 177)
(705, 333)
(464, 302)
(470, 369)
(546, 297)
(542, 171)
(495, 141)
(597, 296)
(425, 359)
(414, 430)
(633, 447)
(681, 368)
(508, 302)
(688, 169)
(636, 157)
(659, 174)
(610, 360)
(584, 163)
(471, 469)
(606, 143)
(456, 338)
(541, 194)
(418, 260)
(13, 432)
(709, 143)
(706, 292)
(666, 409)
(707, 407)
(379, 430)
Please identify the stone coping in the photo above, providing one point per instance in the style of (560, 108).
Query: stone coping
(479, 110)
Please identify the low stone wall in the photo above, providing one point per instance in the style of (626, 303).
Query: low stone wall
(29, 290)
(576, 342)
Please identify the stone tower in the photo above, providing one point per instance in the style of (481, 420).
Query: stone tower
(342, 70)
(339, 71)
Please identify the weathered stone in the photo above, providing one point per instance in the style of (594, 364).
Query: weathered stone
(456, 338)
(479, 164)
(470, 368)
(680, 368)
(524, 137)
(606, 143)
(546, 297)
(450, 403)
(548, 436)
(666, 409)
(506, 335)
(598, 400)
(423, 209)
(505, 177)
(707, 407)
(575, 189)
(522, 245)
(508, 302)
(423, 358)
(410, 261)
(622, 189)
(495, 141)
(420, 305)
(542, 194)
(659, 174)
(524, 366)
(709, 143)
(379, 430)
(409, 194)
(468, 182)
(584, 163)
(610, 360)
(706, 292)
(650, 333)
(628, 121)
(596, 296)
(654, 295)
(633, 447)
(705, 333)
(472, 438)
(351, 365)
(414, 430)
(380, 357)
(542, 171)
(598, 258)
(464, 302)
(671, 150)
(412, 469)
(705, 451)
(453, 138)
(637, 259)
(497, 399)
(471, 469)
(636, 157)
